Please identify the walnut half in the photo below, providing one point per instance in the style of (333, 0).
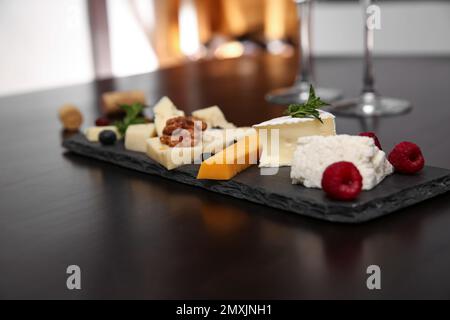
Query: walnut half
(183, 132)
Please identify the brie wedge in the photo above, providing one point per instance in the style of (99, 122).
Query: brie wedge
(165, 110)
(172, 158)
(137, 135)
(279, 136)
(314, 154)
(93, 133)
(213, 117)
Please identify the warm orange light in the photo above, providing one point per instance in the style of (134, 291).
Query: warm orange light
(233, 49)
(188, 26)
(275, 19)
(237, 21)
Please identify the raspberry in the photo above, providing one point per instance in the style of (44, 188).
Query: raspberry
(373, 136)
(102, 122)
(406, 157)
(342, 181)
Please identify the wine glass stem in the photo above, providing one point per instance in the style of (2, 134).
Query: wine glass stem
(368, 50)
(304, 14)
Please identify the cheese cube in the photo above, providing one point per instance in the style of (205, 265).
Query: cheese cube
(172, 158)
(229, 162)
(137, 135)
(279, 136)
(213, 117)
(93, 133)
(165, 110)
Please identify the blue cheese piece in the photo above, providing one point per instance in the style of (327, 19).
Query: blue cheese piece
(314, 154)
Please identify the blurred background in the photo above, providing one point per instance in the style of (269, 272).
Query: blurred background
(52, 43)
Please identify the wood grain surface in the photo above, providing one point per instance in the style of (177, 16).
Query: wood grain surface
(140, 236)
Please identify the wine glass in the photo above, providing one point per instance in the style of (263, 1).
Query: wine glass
(370, 103)
(299, 92)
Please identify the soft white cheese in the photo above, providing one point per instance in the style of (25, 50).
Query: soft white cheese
(286, 120)
(314, 154)
(278, 137)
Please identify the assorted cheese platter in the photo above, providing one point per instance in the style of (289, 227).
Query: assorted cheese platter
(297, 162)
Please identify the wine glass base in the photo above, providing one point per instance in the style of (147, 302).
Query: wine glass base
(300, 94)
(370, 105)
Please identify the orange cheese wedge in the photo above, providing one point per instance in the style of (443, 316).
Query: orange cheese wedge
(232, 160)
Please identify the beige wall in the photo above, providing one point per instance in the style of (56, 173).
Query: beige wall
(407, 28)
(44, 43)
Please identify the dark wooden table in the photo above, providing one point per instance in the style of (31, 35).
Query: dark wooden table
(139, 236)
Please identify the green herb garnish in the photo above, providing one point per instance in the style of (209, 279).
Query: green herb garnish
(132, 116)
(308, 109)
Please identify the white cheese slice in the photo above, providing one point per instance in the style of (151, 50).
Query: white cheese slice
(241, 132)
(172, 158)
(213, 117)
(137, 135)
(165, 110)
(215, 140)
(278, 137)
(93, 133)
(314, 154)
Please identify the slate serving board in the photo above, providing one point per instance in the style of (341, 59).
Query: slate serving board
(394, 193)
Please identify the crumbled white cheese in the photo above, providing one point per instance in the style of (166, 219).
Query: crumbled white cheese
(315, 153)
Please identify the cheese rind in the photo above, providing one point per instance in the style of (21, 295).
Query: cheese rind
(213, 117)
(93, 133)
(137, 135)
(172, 158)
(165, 110)
(314, 154)
(279, 136)
(232, 160)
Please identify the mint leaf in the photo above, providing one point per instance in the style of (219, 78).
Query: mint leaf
(132, 116)
(308, 109)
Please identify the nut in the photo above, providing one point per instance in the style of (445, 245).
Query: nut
(71, 117)
(182, 131)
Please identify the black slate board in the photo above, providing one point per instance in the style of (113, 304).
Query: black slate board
(394, 193)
